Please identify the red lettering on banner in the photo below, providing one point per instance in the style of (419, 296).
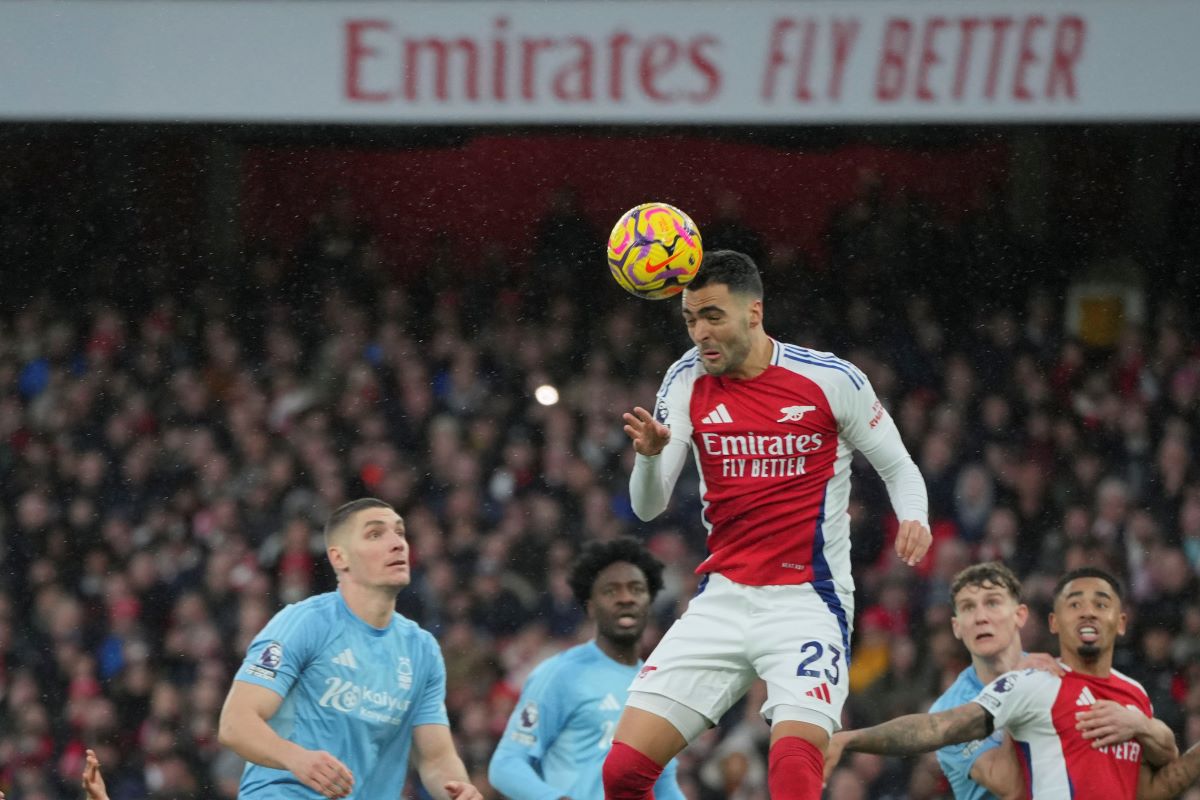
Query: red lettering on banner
(968, 26)
(1026, 57)
(529, 51)
(440, 49)
(889, 82)
(845, 32)
(1068, 47)
(999, 26)
(356, 51)
(775, 56)
(577, 72)
(658, 57)
(705, 66)
(929, 57)
(818, 49)
(500, 59)
(616, 78)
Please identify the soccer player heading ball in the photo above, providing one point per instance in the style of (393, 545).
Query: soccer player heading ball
(772, 427)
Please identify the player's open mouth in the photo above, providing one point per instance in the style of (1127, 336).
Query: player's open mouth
(1088, 634)
(627, 620)
(397, 563)
(986, 636)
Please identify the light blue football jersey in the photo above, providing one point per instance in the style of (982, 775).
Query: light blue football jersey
(957, 759)
(348, 688)
(562, 728)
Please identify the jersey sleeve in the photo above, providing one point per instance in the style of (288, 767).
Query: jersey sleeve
(866, 426)
(536, 721)
(653, 478)
(1017, 698)
(430, 705)
(282, 649)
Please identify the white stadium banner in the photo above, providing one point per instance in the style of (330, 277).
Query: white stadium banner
(581, 61)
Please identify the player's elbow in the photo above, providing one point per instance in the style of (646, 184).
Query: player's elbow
(229, 730)
(647, 511)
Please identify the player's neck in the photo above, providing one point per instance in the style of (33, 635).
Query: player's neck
(988, 668)
(759, 358)
(372, 605)
(621, 653)
(1099, 667)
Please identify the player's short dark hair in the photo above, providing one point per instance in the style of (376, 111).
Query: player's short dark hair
(344, 512)
(735, 270)
(986, 575)
(597, 556)
(1089, 572)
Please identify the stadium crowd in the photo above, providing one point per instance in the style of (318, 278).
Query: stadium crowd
(167, 458)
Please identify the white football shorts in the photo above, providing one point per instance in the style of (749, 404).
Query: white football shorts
(796, 638)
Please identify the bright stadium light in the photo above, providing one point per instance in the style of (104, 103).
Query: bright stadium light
(546, 394)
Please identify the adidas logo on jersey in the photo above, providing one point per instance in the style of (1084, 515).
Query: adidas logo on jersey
(609, 703)
(1085, 698)
(820, 693)
(346, 659)
(718, 416)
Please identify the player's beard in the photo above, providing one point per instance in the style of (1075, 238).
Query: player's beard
(1088, 651)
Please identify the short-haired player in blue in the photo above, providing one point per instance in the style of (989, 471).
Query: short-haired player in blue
(336, 689)
(562, 727)
(987, 617)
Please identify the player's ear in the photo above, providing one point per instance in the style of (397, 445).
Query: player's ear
(954, 627)
(1053, 623)
(337, 558)
(1124, 618)
(1022, 615)
(756, 312)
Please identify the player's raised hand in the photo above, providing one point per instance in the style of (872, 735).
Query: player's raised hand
(321, 772)
(1041, 661)
(1108, 722)
(912, 542)
(462, 791)
(649, 436)
(93, 781)
(833, 753)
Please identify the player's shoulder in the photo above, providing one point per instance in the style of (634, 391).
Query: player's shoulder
(1121, 679)
(822, 367)
(564, 665)
(1024, 680)
(405, 628)
(319, 606)
(683, 372)
(966, 686)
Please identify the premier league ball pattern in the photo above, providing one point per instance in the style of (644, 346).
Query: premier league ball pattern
(654, 250)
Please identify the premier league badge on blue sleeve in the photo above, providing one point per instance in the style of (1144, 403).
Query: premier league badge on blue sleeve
(272, 656)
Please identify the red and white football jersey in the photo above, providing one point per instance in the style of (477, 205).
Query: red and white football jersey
(1038, 710)
(774, 458)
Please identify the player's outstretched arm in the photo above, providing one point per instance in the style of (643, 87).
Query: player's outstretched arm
(999, 771)
(243, 729)
(1108, 722)
(442, 771)
(93, 781)
(1172, 779)
(649, 436)
(920, 733)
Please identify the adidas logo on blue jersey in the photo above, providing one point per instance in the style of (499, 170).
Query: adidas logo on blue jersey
(609, 703)
(346, 659)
